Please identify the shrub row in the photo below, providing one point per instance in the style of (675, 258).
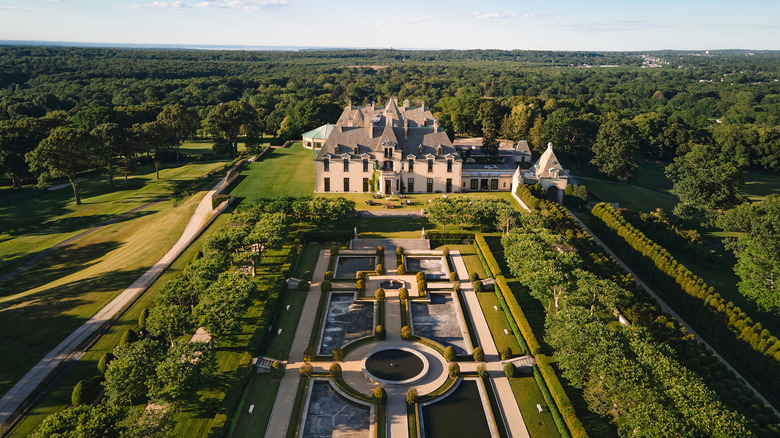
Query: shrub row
(551, 400)
(444, 236)
(217, 200)
(323, 236)
(484, 249)
(747, 342)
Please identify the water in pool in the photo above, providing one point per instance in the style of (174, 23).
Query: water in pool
(348, 267)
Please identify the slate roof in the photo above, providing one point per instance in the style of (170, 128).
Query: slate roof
(547, 161)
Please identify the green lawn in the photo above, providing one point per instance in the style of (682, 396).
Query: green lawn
(261, 393)
(630, 196)
(497, 322)
(759, 185)
(418, 200)
(528, 395)
(288, 171)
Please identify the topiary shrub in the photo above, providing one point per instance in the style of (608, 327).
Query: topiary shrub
(103, 362)
(445, 251)
(454, 370)
(142, 319)
(380, 269)
(379, 294)
(478, 354)
(505, 352)
(128, 337)
(401, 269)
(477, 286)
(379, 333)
(362, 275)
(360, 285)
(473, 277)
(510, 370)
(411, 396)
(403, 294)
(399, 251)
(482, 370)
(420, 276)
(406, 332)
(453, 277)
(422, 287)
(307, 275)
(380, 395)
(326, 286)
(307, 369)
(308, 354)
(334, 250)
(303, 286)
(338, 354)
(328, 276)
(277, 370)
(82, 393)
(335, 370)
(380, 250)
(449, 354)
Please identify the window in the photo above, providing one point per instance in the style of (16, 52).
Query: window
(448, 187)
(346, 165)
(327, 184)
(410, 185)
(346, 184)
(475, 184)
(411, 165)
(449, 166)
(388, 165)
(430, 166)
(493, 184)
(365, 165)
(326, 165)
(388, 152)
(430, 185)
(365, 184)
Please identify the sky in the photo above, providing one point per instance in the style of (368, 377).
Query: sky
(406, 24)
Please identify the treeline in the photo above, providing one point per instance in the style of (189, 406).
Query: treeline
(565, 268)
(748, 342)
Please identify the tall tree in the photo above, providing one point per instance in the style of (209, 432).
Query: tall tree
(178, 376)
(64, 153)
(128, 376)
(154, 138)
(228, 119)
(757, 250)
(179, 122)
(704, 182)
(109, 136)
(616, 151)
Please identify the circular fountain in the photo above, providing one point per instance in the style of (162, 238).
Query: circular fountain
(391, 284)
(395, 366)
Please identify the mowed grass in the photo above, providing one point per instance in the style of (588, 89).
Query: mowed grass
(528, 395)
(261, 393)
(417, 200)
(59, 397)
(103, 264)
(288, 171)
(630, 196)
(33, 220)
(760, 185)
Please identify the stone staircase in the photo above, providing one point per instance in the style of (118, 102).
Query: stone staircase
(263, 364)
(523, 361)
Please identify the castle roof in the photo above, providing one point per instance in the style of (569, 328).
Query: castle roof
(546, 162)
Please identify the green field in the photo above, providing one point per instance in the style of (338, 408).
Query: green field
(528, 395)
(288, 171)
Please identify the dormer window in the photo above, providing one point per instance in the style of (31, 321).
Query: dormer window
(388, 152)
(440, 150)
(553, 173)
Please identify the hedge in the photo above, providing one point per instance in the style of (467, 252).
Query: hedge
(484, 249)
(748, 343)
(517, 320)
(552, 403)
(322, 236)
(217, 200)
(445, 236)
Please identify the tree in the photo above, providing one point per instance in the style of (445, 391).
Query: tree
(20, 136)
(616, 151)
(224, 302)
(109, 136)
(756, 248)
(478, 354)
(128, 376)
(82, 393)
(64, 153)
(705, 183)
(169, 321)
(449, 353)
(179, 122)
(228, 120)
(411, 396)
(84, 421)
(489, 146)
(178, 376)
(153, 137)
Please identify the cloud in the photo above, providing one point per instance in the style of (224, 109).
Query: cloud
(473, 15)
(18, 9)
(491, 15)
(612, 26)
(243, 5)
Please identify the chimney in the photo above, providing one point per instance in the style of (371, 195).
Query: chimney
(349, 105)
(406, 104)
(367, 123)
(423, 105)
(406, 129)
(435, 125)
(372, 106)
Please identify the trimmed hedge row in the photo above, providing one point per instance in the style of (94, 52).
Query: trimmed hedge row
(492, 264)
(748, 343)
(560, 402)
(550, 400)
(445, 236)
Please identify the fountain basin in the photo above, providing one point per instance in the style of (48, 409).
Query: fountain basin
(391, 284)
(395, 366)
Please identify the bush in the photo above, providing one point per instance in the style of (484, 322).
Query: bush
(403, 294)
(380, 269)
(380, 250)
(399, 251)
(328, 276)
(406, 332)
(477, 285)
(516, 317)
(103, 362)
(445, 252)
(128, 337)
(379, 294)
(454, 370)
(307, 369)
(482, 370)
(479, 354)
(473, 276)
(360, 285)
(401, 269)
(303, 286)
(449, 354)
(334, 250)
(307, 275)
(380, 395)
(335, 370)
(422, 287)
(453, 276)
(142, 319)
(326, 286)
(487, 255)
(277, 370)
(379, 333)
(505, 352)
(309, 354)
(338, 354)
(82, 393)
(411, 396)
(420, 276)
(510, 370)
